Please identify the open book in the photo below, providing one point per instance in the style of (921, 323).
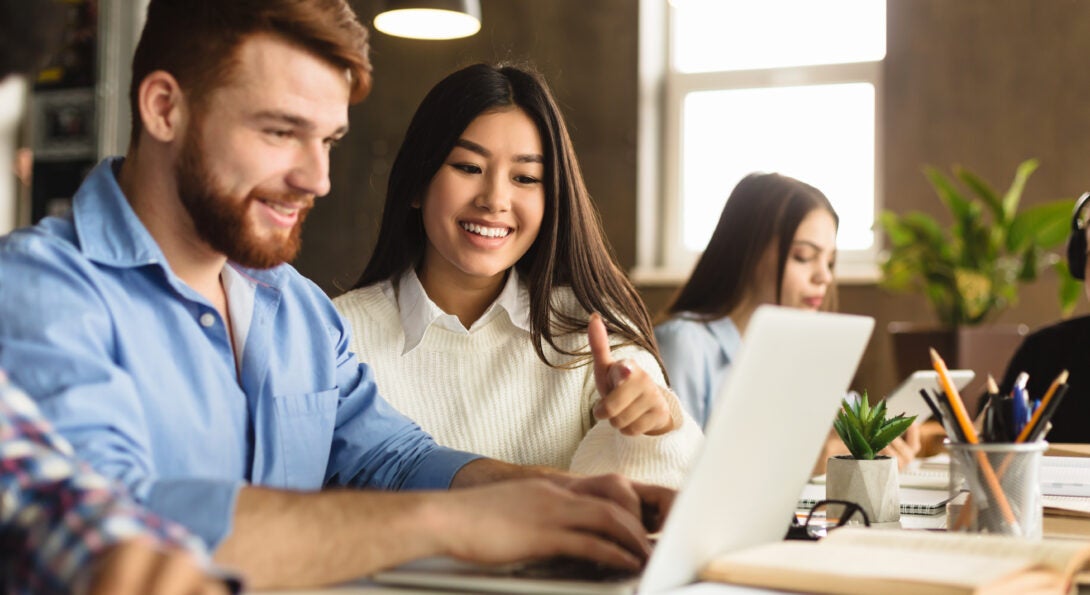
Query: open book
(865, 561)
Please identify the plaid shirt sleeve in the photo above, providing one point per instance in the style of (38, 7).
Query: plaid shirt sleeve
(56, 514)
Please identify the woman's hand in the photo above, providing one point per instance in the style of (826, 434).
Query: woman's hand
(631, 401)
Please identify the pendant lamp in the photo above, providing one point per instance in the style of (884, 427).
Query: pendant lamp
(429, 19)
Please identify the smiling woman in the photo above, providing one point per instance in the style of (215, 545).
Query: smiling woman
(475, 310)
(482, 210)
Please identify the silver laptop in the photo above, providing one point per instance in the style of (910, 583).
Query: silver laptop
(769, 422)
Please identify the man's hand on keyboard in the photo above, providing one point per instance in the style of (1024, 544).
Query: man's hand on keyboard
(537, 518)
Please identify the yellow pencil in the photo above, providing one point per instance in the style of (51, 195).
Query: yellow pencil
(956, 405)
(1061, 379)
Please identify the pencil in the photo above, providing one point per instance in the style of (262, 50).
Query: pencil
(993, 388)
(957, 407)
(1046, 424)
(1028, 429)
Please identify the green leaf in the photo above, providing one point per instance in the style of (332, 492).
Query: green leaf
(1014, 193)
(878, 417)
(890, 431)
(851, 415)
(1070, 289)
(863, 450)
(865, 429)
(841, 427)
(1045, 225)
(982, 189)
(948, 194)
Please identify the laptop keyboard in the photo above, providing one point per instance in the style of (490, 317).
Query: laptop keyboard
(565, 568)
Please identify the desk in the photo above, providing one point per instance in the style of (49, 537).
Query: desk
(368, 588)
(1068, 450)
(365, 587)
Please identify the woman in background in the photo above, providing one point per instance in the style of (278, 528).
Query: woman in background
(475, 310)
(1062, 346)
(775, 243)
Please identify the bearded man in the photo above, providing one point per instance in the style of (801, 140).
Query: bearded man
(160, 329)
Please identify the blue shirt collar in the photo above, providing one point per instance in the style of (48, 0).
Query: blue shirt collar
(726, 334)
(111, 234)
(109, 231)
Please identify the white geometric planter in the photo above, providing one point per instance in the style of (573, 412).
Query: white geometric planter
(870, 484)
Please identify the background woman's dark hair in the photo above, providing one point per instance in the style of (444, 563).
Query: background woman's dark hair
(762, 209)
(570, 249)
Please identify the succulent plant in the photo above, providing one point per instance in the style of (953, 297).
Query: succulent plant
(865, 429)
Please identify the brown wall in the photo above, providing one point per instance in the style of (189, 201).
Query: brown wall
(983, 83)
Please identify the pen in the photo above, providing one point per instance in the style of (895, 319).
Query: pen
(1019, 404)
(958, 409)
(988, 429)
(1039, 415)
(931, 405)
(985, 417)
(952, 429)
(1004, 422)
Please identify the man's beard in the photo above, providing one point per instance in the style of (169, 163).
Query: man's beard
(223, 222)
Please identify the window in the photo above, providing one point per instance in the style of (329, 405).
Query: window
(790, 86)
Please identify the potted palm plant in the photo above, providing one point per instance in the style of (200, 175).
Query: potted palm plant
(864, 476)
(972, 269)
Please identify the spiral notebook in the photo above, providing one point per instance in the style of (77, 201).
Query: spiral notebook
(913, 500)
(924, 477)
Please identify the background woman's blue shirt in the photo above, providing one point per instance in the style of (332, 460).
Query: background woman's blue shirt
(697, 355)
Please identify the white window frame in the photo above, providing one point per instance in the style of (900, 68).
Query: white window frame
(661, 257)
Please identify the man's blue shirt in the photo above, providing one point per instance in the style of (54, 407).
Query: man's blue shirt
(137, 370)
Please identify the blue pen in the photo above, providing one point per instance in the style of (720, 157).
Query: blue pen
(1019, 403)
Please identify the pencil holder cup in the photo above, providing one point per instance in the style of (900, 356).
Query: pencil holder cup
(996, 488)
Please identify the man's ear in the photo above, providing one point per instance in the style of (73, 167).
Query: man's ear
(162, 106)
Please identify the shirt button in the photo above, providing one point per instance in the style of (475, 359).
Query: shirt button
(207, 319)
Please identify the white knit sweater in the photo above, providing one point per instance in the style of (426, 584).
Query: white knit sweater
(488, 392)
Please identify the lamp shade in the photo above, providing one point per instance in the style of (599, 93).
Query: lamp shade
(430, 19)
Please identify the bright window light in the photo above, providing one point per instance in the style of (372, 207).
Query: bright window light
(820, 134)
(716, 35)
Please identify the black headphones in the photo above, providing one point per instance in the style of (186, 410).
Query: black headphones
(1076, 244)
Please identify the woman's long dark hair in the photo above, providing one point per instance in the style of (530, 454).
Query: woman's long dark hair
(570, 249)
(762, 209)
